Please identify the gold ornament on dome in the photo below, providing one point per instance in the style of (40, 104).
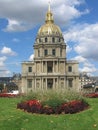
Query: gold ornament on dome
(49, 28)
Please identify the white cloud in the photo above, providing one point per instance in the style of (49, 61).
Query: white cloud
(85, 38)
(68, 49)
(14, 25)
(2, 60)
(80, 59)
(4, 73)
(8, 51)
(87, 66)
(11, 25)
(88, 70)
(31, 58)
(5, 62)
(23, 15)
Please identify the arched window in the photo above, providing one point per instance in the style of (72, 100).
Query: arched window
(39, 40)
(53, 39)
(46, 39)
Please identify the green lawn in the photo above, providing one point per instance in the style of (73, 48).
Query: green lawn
(14, 119)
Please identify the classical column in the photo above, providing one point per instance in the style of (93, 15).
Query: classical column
(53, 67)
(35, 83)
(32, 84)
(56, 86)
(53, 83)
(64, 82)
(42, 66)
(64, 67)
(58, 66)
(58, 82)
(46, 84)
(35, 67)
(46, 66)
(42, 83)
(67, 83)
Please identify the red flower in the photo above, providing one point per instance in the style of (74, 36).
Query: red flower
(92, 95)
(7, 95)
(35, 106)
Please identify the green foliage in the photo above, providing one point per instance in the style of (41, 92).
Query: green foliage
(53, 98)
(11, 86)
(54, 103)
(63, 95)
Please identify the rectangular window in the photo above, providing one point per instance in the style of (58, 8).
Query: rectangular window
(62, 85)
(29, 69)
(46, 39)
(55, 62)
(59, 40)
(53, 39)
(70, 82)
(70, 69)
(53, 52)
(49, 69)
(38, 53)
(60, 51)
(29, 83)
(45, 52)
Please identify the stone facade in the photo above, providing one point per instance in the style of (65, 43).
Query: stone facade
(50, 68)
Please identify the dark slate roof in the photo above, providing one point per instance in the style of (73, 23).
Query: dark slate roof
(5, 79)
(95, 78)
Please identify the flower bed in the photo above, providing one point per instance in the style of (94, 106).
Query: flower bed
(92, 95)
(8, 95)
(35, 106)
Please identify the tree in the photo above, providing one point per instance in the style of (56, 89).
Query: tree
(1, 87)
(11, 86)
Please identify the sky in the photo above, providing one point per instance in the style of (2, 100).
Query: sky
(20, 21)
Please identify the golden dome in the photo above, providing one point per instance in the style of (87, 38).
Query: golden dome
(49, 28)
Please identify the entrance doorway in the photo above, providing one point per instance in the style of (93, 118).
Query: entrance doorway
(49, 83)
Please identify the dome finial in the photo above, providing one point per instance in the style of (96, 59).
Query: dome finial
(49, 6)
(49, 15)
